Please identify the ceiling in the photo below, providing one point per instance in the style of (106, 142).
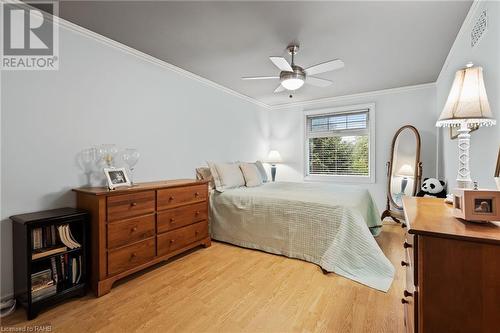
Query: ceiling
(383, 44)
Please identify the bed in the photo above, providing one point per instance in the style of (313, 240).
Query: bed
(325, 224)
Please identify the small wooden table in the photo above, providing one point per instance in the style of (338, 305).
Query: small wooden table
(452, 270)
(134, 228)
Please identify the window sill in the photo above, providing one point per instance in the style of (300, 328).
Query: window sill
(340, 179)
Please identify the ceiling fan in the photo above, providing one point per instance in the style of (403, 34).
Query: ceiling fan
(292, 76)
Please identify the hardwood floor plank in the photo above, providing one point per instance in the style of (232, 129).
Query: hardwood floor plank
(225, 288)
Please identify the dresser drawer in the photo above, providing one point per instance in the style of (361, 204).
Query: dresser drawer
(130, 205)
(124, 258)
(173, 197)
(179, 238)
(410, 246)
(181, 216)
(129, 231)
(409, 267)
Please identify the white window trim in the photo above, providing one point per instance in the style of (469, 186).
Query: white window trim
(371, 149)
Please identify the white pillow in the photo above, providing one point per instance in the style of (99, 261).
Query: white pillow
(226, 175)
(251, 174)
(262, 171)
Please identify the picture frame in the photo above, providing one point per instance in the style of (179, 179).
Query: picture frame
(454, 131)
(117, 177)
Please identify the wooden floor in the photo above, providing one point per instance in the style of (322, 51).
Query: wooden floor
(229, 289)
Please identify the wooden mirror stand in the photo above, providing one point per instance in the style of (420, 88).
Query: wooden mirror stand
(403, 168)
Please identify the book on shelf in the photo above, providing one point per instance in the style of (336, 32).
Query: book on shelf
(65, 271)
(41, 278)
(45, 292)
(67, 238)
(67, 268)
(37, 254)
(42, 285)
(48, 237)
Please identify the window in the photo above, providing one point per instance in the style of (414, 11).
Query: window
(339, 143)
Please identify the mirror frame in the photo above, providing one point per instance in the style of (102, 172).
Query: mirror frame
(397, 214)
(497, 169)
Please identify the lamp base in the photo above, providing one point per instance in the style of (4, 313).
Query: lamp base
(463, 178)
(404, 182)
(273, 172)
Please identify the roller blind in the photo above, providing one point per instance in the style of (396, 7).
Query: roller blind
(338, 144)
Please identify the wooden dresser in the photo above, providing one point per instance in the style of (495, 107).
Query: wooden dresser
(133, 228)
(452, 270)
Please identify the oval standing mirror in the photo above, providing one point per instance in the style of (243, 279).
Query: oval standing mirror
(403, 170)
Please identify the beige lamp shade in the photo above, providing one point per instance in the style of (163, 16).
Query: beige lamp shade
(274, 157)
(467, 101)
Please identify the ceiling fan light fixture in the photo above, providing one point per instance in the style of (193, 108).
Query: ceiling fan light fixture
(292, 84)
(292, 80)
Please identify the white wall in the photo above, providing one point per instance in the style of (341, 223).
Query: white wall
(104, 95)
(393, 109)
(485, 141)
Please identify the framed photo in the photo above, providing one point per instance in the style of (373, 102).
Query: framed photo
(454, 131)
(117, 177)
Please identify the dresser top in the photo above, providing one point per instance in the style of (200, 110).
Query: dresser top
(102, 190)
(432, 216)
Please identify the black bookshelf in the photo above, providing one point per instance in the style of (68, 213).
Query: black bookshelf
(24, 266)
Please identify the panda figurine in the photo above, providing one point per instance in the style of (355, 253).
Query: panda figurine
(432, 187)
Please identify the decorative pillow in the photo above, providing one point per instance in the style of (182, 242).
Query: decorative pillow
(251, 174)
(262, 171)
(204, 173)
(226, 175)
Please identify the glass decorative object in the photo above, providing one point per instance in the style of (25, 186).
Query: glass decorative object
(131, 156)
(88, 159)
(107, 153)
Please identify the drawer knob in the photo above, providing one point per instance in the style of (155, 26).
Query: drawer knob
(172, 241)
(196, 194)
(407, 294)
(133, 204)
(171, 198)
(196, 232)
(134, 229)
(407, 245)
(403, 225)
(404, 301)
(172, 220)
(404, 263)
(133, 255)
(197, 213)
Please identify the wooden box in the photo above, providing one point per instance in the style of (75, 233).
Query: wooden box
(476, 205)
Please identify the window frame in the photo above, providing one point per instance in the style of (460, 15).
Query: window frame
(371, 144)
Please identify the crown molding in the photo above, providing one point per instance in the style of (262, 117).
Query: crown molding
(470, 15)
(316, 102)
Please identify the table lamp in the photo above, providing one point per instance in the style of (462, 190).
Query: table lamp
(467, 105)
(405, 171)
(273, 157)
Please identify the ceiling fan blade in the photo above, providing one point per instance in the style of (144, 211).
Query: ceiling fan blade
(279, 89)
(315, 81)
(325, 67)
(260, 77)
(281, 63)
